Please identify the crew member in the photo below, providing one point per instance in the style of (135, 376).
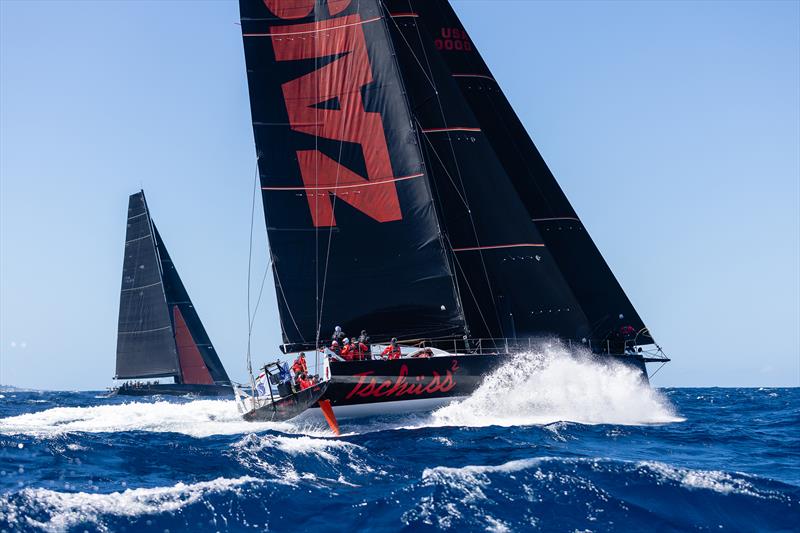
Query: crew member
(392, 351)
(347, 350)
(338, 335)
(363, 339)
(303, 382)
(335, 348)
(300, 366)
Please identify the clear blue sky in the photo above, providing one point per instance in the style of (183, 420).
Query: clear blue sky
(672, 126)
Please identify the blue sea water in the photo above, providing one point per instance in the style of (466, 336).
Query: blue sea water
(567, 447)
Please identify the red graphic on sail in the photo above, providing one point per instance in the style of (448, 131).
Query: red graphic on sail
(193, 369)
(297, 9)
(340, 80)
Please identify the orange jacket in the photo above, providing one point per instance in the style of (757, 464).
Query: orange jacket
(299, 365)
(392, 352)
(355, 351)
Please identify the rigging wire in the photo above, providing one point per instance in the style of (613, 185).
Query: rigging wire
(321, 300)
(251, 315)
(249, 269)
(455, 158)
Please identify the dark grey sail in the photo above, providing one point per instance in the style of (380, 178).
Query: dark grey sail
(145, 338)
(159, 332)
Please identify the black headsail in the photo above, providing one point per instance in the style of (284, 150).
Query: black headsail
(582, 266)
(510, 282)
(145, 339)
(159, 333)
(350, 216)
(182, 310)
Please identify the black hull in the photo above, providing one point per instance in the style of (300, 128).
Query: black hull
(173, 389)
(288, 407)
(358, 383)
(379, 381)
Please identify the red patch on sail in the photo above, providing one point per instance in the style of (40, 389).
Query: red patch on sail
(298, 9)
(341, 81)
(193, 369)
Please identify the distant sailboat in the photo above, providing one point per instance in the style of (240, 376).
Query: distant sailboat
(159, 333)
(403, 196)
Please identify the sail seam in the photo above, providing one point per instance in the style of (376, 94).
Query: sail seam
(136, 239)
(144, 331)
(555, 218)
(451, 128)
(142, 286)
(484, 76)
(283, 34)
(499, 246)
(350, 186)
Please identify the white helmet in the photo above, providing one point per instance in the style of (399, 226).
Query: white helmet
(346, 340)
(338, 329)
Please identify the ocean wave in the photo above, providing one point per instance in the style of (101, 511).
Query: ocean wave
(51, 510)
(555, 384)
(713, 480)
(596, 489)
(200, 418)
(289, 460)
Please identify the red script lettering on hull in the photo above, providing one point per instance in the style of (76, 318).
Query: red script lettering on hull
(368, 385)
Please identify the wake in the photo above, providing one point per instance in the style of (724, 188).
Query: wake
(200, 418)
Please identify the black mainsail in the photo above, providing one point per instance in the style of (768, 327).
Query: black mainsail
(159, 332)
(352, 226)
(401, 193)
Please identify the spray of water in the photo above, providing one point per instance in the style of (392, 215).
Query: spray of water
(552, 384)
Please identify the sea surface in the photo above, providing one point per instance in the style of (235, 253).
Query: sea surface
(551, 443)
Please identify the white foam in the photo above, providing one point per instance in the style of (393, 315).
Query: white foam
(713, 480)
(200, 418)
(302, 445)
(440, 473)
(553, 385)
(334, 455)
(67, 509)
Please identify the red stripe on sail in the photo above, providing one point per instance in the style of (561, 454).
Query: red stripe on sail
(193, 368)
(454, 128)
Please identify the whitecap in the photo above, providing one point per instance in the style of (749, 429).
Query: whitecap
(68, 509)
(714, 480)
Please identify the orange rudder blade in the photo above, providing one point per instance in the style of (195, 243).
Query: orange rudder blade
(327, 410)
